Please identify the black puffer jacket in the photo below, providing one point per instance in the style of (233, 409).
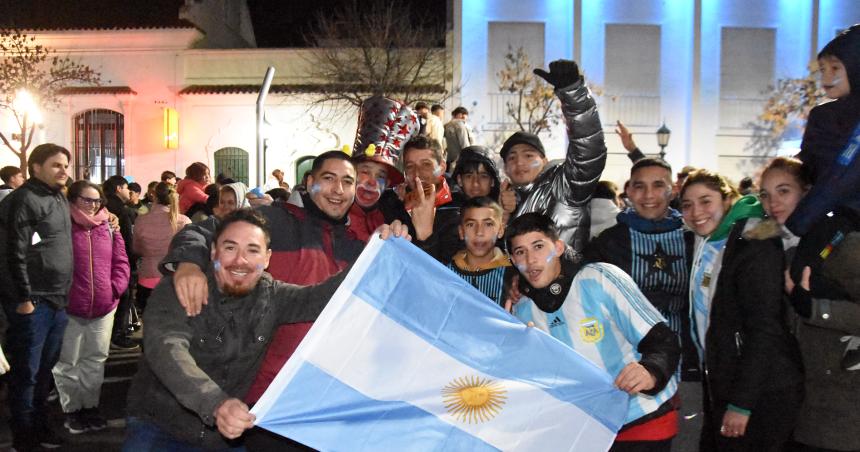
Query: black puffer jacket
(748, 348)
(563, 191)
(32, 265)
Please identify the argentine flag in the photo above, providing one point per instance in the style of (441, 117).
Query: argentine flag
(408, 356)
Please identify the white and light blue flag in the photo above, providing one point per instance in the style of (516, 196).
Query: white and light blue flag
(408, 356)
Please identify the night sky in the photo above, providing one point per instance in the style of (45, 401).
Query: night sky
(277, 23)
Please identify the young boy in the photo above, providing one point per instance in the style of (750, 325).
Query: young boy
(831, 210)
(482, 264)
(598, 310)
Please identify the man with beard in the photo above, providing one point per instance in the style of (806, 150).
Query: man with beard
(186, 394)
(309, 244)
(384, 126)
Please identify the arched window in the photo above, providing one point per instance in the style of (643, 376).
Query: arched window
(99, 145)
(232, 163)
(303, 165)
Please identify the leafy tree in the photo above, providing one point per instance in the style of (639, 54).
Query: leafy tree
(787, 107)
(28, 67)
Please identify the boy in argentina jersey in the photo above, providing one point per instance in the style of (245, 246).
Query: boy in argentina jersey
(598, 310)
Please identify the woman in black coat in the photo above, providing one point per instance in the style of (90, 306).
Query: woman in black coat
(751, 365)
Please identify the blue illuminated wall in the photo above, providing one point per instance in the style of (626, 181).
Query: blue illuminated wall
(690, 74)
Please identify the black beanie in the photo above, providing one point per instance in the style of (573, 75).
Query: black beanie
(846, 47)
(521, 138)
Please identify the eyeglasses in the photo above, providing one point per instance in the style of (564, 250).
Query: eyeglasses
(92, 201)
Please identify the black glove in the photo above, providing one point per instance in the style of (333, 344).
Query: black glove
(801, 299)
(562, 73)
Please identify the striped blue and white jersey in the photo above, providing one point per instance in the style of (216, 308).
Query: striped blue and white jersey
(603, 317)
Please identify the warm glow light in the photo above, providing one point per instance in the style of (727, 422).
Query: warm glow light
(171, 128)
(26, 105)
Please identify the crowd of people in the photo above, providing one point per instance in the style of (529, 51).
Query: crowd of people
(693, 296)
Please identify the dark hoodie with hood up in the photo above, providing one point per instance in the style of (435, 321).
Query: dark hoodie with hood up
(475, 155)
(834, 168)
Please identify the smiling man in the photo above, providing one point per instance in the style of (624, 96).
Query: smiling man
(187, 392)
(597, 310)
(310, 242)
(35, 277)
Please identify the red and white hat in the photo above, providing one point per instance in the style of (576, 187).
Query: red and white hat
(387, 125)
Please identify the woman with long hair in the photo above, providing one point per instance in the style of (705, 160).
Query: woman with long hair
(828, 417)
(192, 189)
(101, 275)
(752, 377)
(152, 234)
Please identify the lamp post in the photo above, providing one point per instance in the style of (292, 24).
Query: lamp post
(663, 134)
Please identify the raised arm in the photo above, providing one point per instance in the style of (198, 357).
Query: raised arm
(586, 149)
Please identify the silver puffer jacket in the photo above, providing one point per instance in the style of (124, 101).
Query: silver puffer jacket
(563, 191)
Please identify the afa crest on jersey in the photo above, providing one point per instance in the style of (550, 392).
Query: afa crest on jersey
(590, 330)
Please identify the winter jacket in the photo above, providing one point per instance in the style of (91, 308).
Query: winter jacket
(35, 245)
(563, 191)
(192, 364)
(307, 247)
(126, 217)
(101, 271)
(457, 137)
(362, 222)
(828, 131)
(749, 352)
(190, 192)
(828, 417)
(824, 150)
(658, 256)
(152, 235)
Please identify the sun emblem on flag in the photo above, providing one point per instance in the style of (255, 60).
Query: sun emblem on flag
(474, 399)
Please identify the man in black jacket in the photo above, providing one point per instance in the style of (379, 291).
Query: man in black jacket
(117, 194)
(35, 277)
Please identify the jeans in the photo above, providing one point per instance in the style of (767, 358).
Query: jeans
(142, 435)
(34, 342)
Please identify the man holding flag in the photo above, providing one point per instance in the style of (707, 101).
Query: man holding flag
(194, 370)
(598, 310)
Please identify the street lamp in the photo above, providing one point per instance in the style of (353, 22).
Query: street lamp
(663, 134)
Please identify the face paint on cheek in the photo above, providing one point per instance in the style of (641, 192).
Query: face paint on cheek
(380, 182)
(437, 171)
(314, 189)
(522, 268)
(217, 265)
(259, 268)
(535, 164)
(551, 255)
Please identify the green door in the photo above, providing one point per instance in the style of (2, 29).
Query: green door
(232, 163)
(302, 166)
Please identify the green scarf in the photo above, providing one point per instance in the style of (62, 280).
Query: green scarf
(747, 207)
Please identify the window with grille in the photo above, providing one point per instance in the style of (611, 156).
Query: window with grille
(232, 163)
(99, 145)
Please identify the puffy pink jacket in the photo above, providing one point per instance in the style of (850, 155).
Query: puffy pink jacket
(152, 234)
(190, 192)
(101, 271)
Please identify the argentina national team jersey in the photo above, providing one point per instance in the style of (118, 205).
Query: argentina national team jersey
(603, 317)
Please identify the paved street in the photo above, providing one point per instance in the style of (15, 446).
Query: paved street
(121, 366)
